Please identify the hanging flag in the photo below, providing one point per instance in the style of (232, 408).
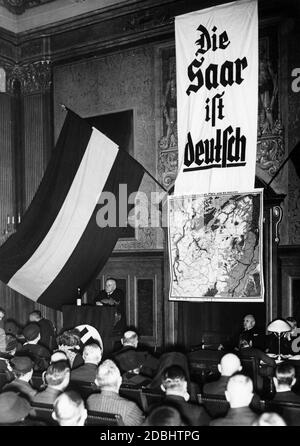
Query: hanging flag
(217, 96)
(59, 246)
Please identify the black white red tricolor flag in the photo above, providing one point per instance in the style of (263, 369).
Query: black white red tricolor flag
(59, 246)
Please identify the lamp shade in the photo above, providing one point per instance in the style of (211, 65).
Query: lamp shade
(279, 326)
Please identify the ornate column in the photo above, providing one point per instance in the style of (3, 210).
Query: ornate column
(30, 86)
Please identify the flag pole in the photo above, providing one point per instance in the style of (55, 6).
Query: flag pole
(64, 107)
(151, 176)
(284, 163)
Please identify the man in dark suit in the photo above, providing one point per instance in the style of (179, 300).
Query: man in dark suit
(251, 332)
(57, 378)
(239, 394)
(114, 297)
(284, 380)
(22, 368)
(174, 383)
(47, 330)
(87, 372)
(131, 359)
(39, 354)
(229, 365)
(108, 400)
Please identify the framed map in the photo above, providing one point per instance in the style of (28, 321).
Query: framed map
(215, 247)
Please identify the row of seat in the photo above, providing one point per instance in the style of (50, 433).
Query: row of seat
(217, 406)
(204, 365)
(144, 398)
(43, 412)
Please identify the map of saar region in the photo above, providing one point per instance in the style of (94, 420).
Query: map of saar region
(215, 247)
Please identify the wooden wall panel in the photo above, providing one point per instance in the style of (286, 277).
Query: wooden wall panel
(6, 161)
(18, 307)
(33, 144)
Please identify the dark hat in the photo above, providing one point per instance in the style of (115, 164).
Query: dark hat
(11, 343)
(31, 331)
(21, 364)
(13, 407)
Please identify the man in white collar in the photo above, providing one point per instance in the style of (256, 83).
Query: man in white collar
(113, 297)
(284, 380)
(239, 394)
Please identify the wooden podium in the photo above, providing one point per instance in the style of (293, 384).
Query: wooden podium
(100, 317)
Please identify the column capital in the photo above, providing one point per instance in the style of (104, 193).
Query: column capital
(34, 77)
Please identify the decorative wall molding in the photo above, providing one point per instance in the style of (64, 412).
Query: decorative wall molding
(34, 77)
(20, 6)
(277, 214)
(293, 114)
(270, 151)
(167, 167)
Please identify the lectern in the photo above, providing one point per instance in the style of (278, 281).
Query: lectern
(100, 317)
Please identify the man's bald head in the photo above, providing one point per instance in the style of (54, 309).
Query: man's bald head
(249, 321)
(130, 338)
(229, 365)
(69, 409)
(239, 391)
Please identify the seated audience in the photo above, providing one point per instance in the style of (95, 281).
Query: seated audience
(109, 380)
(59, 355)
(167, 360)
(55, 357)
(2, 316)
(131, 359)
(2, 331)
(174, 383)
(47, 330)
(164, 416)
(239, 394)
(13, 329)
(22, 368)
(11, 347)
(57, 378)
(14, 411)
(92, 355)
(284, 380)
(229, 365)
(32, 348)
(2, 341)
(69, 409)
(269, 419)
(69, 342)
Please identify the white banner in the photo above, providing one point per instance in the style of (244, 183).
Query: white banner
(217, 95)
